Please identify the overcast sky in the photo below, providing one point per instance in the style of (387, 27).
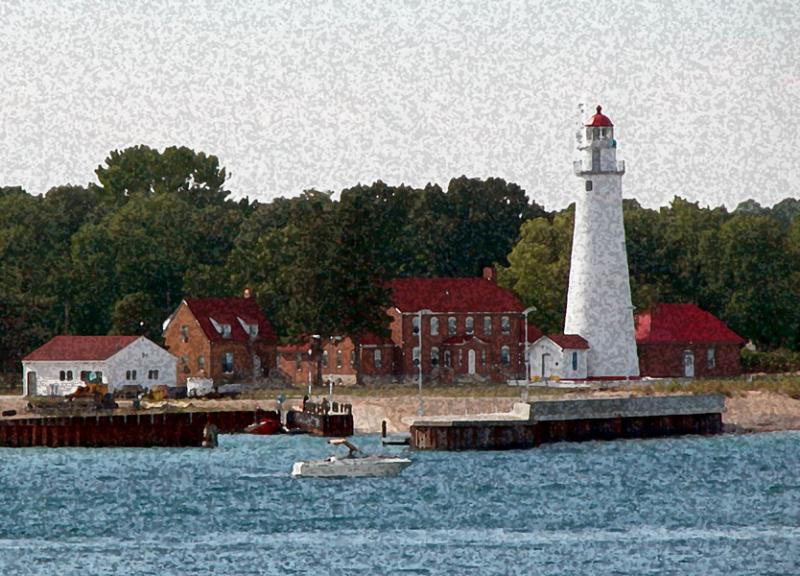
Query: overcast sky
(298, 95)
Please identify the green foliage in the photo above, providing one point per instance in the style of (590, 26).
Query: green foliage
(538, 270)
(774, 361)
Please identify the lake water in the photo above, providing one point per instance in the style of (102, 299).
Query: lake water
(718, 505)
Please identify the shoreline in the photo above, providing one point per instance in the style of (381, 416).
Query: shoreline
(745, 412)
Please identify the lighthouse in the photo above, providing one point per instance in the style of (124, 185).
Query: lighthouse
(599, 297)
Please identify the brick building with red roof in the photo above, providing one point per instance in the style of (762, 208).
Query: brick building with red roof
(221, 338)
(306, 362)
(682, 340)
(457, 328)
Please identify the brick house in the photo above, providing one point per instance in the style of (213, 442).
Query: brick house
(457, 327)
(300, 362)
(684, 341)
(224, 339)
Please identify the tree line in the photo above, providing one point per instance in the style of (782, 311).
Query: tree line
(118, 255)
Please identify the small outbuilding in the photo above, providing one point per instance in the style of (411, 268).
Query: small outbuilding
(684, 341)
(64, 363)
(561, 356)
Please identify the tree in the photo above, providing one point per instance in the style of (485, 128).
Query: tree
(538, 270)
(140, 170)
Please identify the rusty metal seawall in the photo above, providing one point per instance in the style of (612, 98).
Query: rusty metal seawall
(175, 429)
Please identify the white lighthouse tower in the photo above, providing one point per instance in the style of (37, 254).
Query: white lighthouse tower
(599, 298)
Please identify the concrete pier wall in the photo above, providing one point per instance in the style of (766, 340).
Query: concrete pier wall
(535, 423)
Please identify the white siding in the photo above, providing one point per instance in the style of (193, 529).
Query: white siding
(142, 355)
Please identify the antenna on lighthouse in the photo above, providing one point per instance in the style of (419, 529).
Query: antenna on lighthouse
(579, 129)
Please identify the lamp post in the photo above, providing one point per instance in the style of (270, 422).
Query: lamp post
(527, 311)
(420, 409)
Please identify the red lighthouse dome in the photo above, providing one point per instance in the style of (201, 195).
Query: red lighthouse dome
(599, 119)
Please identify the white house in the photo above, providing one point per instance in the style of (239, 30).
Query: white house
(66, 362)
(559, 355)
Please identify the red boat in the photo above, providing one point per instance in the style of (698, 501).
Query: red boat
(265, 426)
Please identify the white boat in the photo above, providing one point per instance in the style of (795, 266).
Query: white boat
(354, 465)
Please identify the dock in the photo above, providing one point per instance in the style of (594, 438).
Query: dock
(531, 424)
(143, 429)
(322, 419)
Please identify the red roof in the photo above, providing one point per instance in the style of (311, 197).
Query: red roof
(452, 295)
(571, 341)
(533, 333)
(80, 348)
(682, 323)
(599, 119)
(371, 339)
(228, 311)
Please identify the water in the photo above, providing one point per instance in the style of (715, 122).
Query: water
(720, 505)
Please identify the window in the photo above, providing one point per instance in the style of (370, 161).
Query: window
(469, 325)
(434, 357)
(62, 375)
(574, 361)
(487, 325)
(298, 361)
(447, 361)
(252, 329)
(434, 326)
(339, 359)
(185, 333)
(376, 358)
(415, 325)
(451, 326)
(505, 356)
(352, 358)
(505, 325)
(711, 357)
(324, 358)
(227, 362)
(130, 374)
(90, 376)
(226, 330)
(588, 185)
(415, 356)
(201, 362)
(69, 375)
(152, 374)
(483, 358)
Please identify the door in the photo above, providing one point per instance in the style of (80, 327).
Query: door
(545, 366)
(471, 361)
(31, 383)
(688, 364)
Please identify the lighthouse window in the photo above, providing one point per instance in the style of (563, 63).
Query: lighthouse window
(588, 185)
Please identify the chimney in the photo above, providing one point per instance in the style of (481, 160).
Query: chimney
(490, 274)
(247, 293)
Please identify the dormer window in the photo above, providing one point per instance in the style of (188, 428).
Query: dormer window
(252, 330)
(225, 330)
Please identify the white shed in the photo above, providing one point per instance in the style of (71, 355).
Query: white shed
(559, 355)
(66, 362)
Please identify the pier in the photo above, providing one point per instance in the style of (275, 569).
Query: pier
(532, 424)
(173, 429)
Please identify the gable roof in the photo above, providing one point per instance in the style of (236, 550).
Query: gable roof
(451, 295)
(569, 341)
(682, 323)
(208, 311)
(533, 333)
(63, 348)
